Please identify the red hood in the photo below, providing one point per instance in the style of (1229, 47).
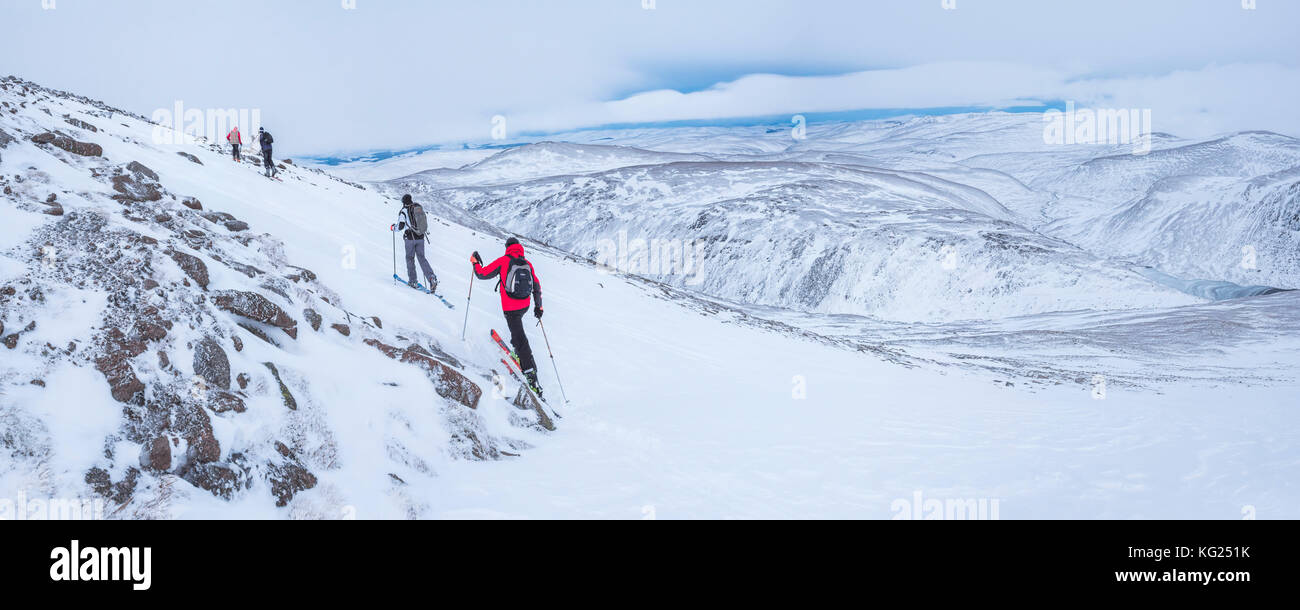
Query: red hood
(515, 250)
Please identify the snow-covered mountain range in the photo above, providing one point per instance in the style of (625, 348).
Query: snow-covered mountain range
(932, 219)
(944, 305)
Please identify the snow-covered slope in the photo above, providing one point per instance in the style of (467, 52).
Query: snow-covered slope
(122, 302)
(189, 338)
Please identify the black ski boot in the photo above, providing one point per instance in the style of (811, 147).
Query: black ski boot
(531, 376)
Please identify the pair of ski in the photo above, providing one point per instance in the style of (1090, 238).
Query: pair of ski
(513, 367)
(421, 288)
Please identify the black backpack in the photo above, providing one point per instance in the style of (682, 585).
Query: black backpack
(417, 221)
(267, 140)
(518, 280)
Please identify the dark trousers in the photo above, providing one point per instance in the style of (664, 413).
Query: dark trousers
(235, 149)
(515, 321)
(266, 161)
(415, 252)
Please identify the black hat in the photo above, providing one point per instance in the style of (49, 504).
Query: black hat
(512, 242)
(406, 199)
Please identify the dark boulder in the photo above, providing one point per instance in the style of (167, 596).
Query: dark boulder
(140, 169)
(212, 364)
(133, 188)
(287, 476)
(224, 402)
(156, 455)
(257, 308)
(99, 480)
(312, 317)
(193, 266)
(82, 124)
(447, 382)
(84, 149)
(114, 362)
(193, 424)
(223, 481)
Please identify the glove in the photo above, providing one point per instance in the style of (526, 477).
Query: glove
(476, 259)
(401, 225)
(537, 312)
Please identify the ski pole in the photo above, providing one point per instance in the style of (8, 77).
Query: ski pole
(393, 230)
(467, 303)
(553, 366)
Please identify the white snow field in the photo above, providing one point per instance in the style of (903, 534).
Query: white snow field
(1128, 400)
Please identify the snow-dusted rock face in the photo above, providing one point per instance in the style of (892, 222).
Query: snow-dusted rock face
(159, 350)
(930, 219)
(1244, 230)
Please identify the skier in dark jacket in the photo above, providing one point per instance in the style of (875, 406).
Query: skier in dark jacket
(416, 226)
(514, 271)
(264, 138)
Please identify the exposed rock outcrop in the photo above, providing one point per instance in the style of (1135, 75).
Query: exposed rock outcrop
(285, 394)
(257, 308)
(115, 363)
(212, 364)
(156, 455)
(287, 475)
(225, 402)
(84, 149)
(82, 124)
(193, 424)
(193, 266)
(312, 317)
(447, 382)
(138, 184)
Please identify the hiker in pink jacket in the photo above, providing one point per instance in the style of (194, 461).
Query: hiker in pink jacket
(235, 140)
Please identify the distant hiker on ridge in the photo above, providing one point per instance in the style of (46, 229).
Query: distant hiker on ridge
(264, 138)
(519, 283)
(416, 224)
(235, 139)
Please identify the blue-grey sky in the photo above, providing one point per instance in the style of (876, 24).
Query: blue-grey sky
(399, 73)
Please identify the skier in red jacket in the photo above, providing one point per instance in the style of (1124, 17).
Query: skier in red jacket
(519, 284)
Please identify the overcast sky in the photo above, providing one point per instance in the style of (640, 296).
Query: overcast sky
(401, 73)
